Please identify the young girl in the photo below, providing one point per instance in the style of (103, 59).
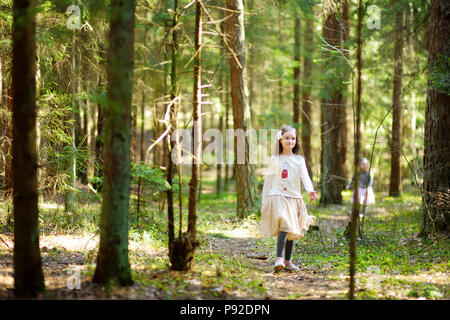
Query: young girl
(365, 191)
(283, 212)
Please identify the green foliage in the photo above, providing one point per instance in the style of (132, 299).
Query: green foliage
(152, 183)
(149, 177)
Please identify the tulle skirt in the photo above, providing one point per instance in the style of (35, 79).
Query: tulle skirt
(285, 214)
(362, 192)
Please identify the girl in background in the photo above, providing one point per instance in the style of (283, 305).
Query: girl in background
(365, 190)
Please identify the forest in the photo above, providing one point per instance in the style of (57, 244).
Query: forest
(135, 137)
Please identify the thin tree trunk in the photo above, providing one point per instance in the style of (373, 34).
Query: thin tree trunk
(142, 142)
(306, 93)
(173, 112)
(28, 276)
(226, 101)
(219, 184)
(251, 82)
(297, 35)
(85, 106)
(280, 42)
(91, 143)
(345, 31)
(395, 185)
(436, 181)
(69, 195)
(197, 126)
(133, 143)
(98, 169)
(183, 248)
(357, 146)
(7, 144)
(112, 259)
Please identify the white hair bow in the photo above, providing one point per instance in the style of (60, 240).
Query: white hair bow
(279, 134)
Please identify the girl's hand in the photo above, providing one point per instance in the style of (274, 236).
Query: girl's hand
(312, 196)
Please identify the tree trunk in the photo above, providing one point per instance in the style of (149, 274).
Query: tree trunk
(172, 121)
(222, 94)
(28, 276)
(306, 92)
(182, 253)
(142, 141)
(85, 107)
(357, 146)
(112, 260)
(226, 100)
(197, 125)
(436, 182)
(99, 142)
(7, 143)
(245, 182)
(297, 33)
(100, 115)
(345, 32)
(69, 194)
(331, 185)
(395, 185)
(280, 44)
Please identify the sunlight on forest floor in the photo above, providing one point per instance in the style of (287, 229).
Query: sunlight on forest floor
(235, 261)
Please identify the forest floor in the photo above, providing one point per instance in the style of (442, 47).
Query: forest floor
(235, 261)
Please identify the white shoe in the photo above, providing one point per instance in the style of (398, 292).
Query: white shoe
(290, 266)
(279, 264)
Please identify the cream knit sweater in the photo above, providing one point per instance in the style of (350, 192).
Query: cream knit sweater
(284, 176)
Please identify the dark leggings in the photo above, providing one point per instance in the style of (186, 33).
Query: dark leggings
(282, 243)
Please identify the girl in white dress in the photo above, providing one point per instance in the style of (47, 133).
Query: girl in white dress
(365, 190)
(283, 212)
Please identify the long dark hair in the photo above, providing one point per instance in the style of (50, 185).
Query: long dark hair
(297, 149)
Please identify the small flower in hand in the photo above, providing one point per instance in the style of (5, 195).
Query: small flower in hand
(312, 196)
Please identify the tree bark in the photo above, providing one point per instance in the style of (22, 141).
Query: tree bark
(297, 60)
(222, 116)
(112, 260)
(436, 182)
(85, 169)
(28, 276)
(345, 32)
(7, 126)
(172, 121)
(245, 182)
(197, 127)
(69, 194)
(395, 185)
(280, 41)
(331, 185)
(357, 146)
(306, 93)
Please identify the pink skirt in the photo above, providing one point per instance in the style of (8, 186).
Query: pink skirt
(285, 214)
(362, 193)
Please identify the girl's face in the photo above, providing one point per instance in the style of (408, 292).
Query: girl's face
(364, 166)
(288, 140)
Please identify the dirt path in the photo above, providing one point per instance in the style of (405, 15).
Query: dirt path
(304, 284)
